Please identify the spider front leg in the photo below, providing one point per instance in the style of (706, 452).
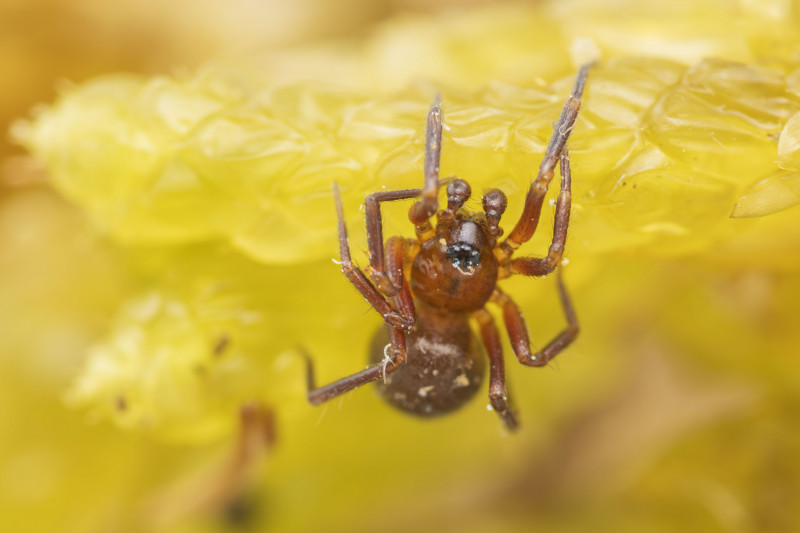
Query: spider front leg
(422, 211)
(526, 226)
(541, 266)
(419, 213)
(518, 331)
(498, 396)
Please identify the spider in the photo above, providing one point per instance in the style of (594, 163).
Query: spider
(427, 289)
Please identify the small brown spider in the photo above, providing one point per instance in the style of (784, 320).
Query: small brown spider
(427, 289)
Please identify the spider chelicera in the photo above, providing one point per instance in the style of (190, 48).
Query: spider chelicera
(427, 289)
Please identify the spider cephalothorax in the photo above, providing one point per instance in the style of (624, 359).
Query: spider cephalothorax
(428, 361)
(455, 269)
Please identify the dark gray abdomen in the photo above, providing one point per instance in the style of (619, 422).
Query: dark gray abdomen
(441, 373)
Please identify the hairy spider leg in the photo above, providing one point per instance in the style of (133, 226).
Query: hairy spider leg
(392, 362)
(360, 280)
(498, 396)
(526, 226)
(518, 330)
(399, 252)
(387, 282)
(541, 266)
(421, 212)
(398, 320)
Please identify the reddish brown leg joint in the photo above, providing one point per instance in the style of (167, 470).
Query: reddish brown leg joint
(360, 280)
(534, 266)
(498, 395)
(377, 267)
(392, 362)
(518, 330)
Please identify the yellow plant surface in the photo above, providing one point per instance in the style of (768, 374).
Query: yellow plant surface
(211, 193)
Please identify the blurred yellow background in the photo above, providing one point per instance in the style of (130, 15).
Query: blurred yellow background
(166, 251)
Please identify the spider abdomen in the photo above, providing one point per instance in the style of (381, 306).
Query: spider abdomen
(443, 369)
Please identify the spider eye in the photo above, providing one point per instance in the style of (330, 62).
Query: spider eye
(463, 256)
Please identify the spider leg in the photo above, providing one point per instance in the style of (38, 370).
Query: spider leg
(527, 223)
(318, 395)
(498, 395)
(360, 280)
(421, 212)
(541, 266)
(377, 254)
(518, 331)
(398, 252)
(399, 316)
